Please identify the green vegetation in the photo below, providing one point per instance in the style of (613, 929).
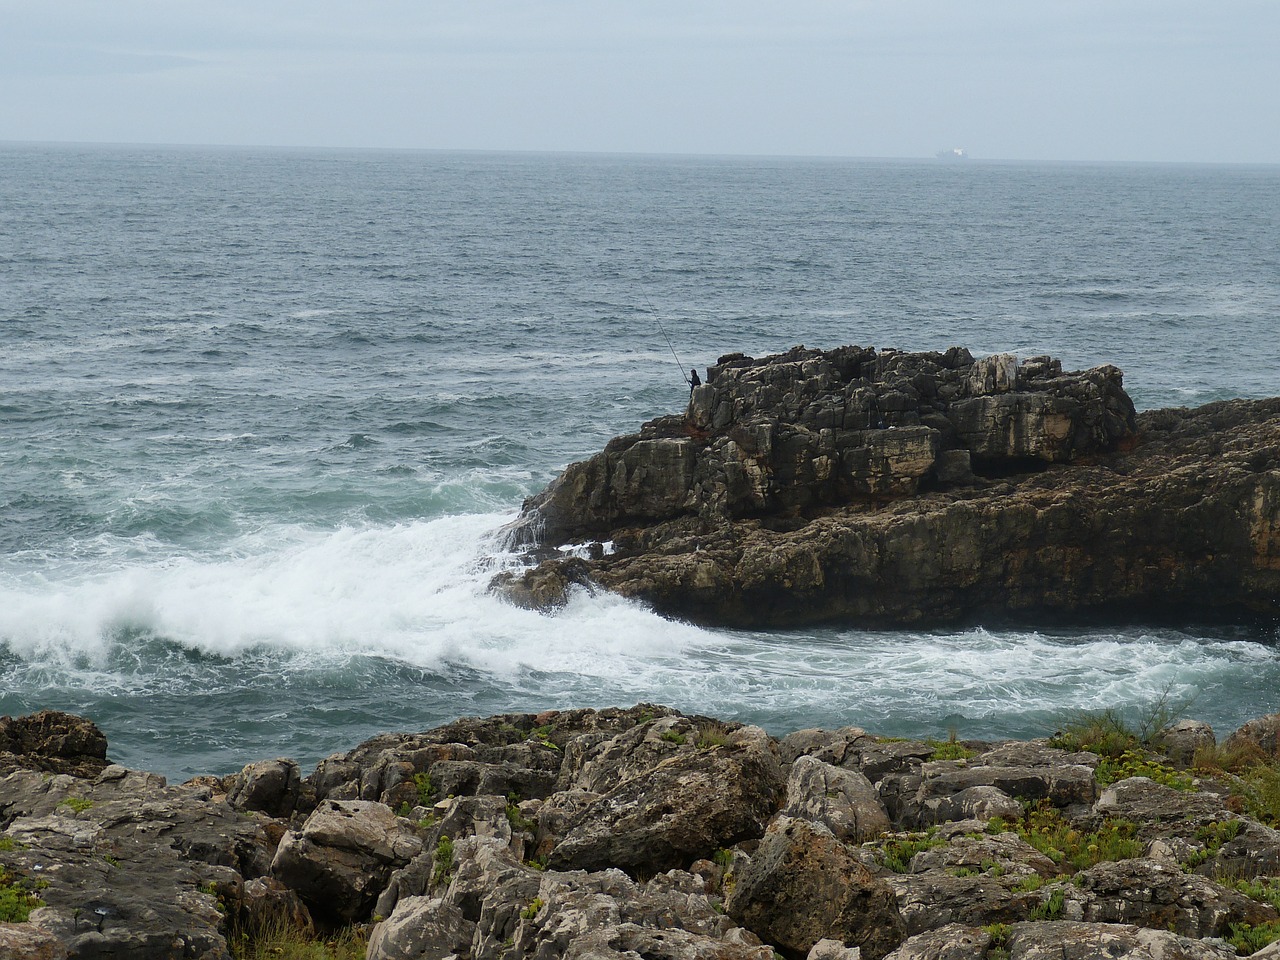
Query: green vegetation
(1133, 763)
(519, 822)
(898, 853)
(542, 735)
(531, 911)
(999, 948)
(8, 843)
(78, 804)
(16, 899)
(1108, 734)
(1030, 884)
(1260, 789)
(426, 789)
(1250, 939)
(443, 861)
(282, 941)
(1050, 909)
(671, 736)
(1046, 830)
(950, 749)
(722, 858)
(1263, 890)
(712, 735)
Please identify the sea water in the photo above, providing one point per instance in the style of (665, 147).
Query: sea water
(262, 412)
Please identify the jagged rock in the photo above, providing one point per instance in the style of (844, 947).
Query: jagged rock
(803, 885)
(951, 789)
(1159, 895)
(27, 942)
(271, 786)
(421, 927)
(842, 800)
(1069, 940)
(491, 903)
(342, 858)
(996, 487)
(936, 898)
(683, 808)
(52, 741)
(955, 941)
(1015, 857)
(1142, 799)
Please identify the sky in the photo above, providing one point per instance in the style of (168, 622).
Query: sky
(1128, 80)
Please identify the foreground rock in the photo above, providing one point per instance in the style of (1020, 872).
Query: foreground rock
(903, 488)
(646, 833)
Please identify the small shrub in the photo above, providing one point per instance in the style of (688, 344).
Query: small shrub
(722, 858)
(1044, 829)
(78, 804)
(531, 911)
(443, 860)
(519, 822)
(897, 854)
(8, 843)
(1250, 939)
(284, 941)
(16, 899)
(1132, 763)
(426, 789)
(1050, 909)
(671, 736)
(1260, 789)
(1236, 758)
(950, 749)
(1264, 891)
(712, 735)
(1104, 733)
(1030, 884)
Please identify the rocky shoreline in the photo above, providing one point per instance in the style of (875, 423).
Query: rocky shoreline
(882, 488)
(644, 832)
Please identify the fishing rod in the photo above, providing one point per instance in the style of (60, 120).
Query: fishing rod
(683, 375)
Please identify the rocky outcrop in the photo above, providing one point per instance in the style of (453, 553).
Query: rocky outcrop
(884, 488)
(651, 834)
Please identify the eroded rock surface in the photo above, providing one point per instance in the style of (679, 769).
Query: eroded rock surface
(884, 488)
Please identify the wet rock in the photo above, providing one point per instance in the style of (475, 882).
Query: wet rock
(52, 741)
(803, 885)
(778, 500)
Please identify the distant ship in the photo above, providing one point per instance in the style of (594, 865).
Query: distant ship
(954, 154)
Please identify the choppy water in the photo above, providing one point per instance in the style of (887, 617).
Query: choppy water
(261, 411)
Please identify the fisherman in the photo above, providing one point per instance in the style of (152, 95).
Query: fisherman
(694, 382)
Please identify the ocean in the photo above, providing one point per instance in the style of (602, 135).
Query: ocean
(263, 411)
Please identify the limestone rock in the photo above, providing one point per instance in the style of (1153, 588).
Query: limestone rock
(1068, 940)
(842, 800)
(684, 808)
(271, 786)
(803, 885)
(1180, 740)
(1261, 736)
(955, 941)
(342, 858)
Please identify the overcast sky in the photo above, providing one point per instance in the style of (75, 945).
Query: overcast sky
(1176, 80)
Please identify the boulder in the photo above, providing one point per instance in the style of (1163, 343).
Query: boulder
(954, 941)
(683, 808)
(343, 857)
(803, 885)
(272, 786)
(1158, 895)
(1068, 940)
(1180, 740)
(842, 800)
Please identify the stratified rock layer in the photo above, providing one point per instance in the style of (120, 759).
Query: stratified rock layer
(908, 488)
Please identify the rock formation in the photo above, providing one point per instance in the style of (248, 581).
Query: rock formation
(653, 834)
(886, 488)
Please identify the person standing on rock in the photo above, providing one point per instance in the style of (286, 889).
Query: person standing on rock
(694, 382)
